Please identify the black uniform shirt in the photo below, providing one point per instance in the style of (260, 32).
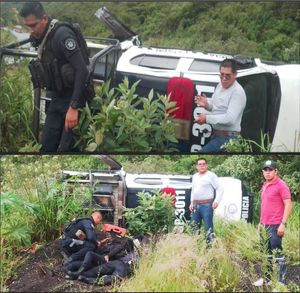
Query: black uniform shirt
(66, 49)
(87, 225)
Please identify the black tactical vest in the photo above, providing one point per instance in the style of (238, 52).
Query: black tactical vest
(72, 227)
(53, 72)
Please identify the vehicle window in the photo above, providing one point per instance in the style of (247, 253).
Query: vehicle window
(159, 62)
(205, 66)
(179, 181)
(158, 181)
(149, 181)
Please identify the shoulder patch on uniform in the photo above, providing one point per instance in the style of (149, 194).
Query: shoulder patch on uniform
(70, 44)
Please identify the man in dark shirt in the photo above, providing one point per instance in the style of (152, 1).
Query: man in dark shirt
(111, 247)
(79, 237)
(62, 73)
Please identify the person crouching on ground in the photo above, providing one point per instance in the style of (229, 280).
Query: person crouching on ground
(79, 237)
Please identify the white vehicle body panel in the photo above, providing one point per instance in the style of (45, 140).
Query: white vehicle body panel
(287, 133)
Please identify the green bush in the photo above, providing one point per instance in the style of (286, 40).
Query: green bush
(120, 120)
(15, 232)
(154, 215)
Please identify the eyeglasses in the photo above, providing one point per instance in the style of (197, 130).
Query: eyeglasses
(225, 76)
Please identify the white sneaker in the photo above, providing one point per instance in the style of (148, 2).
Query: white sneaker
(258, 283)
(261, 282)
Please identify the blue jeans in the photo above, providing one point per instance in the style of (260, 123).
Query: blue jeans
(274, 242)
(204, 212)
(215, 143)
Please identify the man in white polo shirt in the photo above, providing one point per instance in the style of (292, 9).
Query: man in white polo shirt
(225, 108)
(206, 195)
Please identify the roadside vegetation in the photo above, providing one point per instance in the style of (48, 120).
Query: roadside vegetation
(36, 204)
(182, 263)
(120, 120)
(16, 107)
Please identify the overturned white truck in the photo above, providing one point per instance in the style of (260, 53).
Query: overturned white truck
(272, 112)
(115, 189)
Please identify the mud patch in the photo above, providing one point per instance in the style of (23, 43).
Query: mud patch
(41, 272)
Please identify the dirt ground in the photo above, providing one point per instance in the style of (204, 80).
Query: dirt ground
(41, 273)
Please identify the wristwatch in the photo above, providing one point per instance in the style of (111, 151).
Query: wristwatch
(74, 104)
(284, 223)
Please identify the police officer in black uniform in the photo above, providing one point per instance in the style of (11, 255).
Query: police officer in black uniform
(117, 262)
(112, 247)
(111, 271)
(79, 237)
(61, 69)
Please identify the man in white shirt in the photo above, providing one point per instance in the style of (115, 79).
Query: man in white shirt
(205, 197)
(225, 108)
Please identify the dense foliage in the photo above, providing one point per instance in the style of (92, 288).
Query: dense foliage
(267, 30)
(16, 107)
(120, 120)
(154, 215)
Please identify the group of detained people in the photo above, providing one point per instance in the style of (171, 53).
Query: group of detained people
(111, 258)
(97, 257)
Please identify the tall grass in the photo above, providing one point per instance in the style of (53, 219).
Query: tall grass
(182, 262)
(15, 232)
(16, 107)
(54, 209)
(45, 217)
(179, 263)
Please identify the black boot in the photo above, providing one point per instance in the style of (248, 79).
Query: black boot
(67, 261)
(87, 280)
(75, 275)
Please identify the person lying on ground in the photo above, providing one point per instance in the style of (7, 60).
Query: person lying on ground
(112, 247)
(110, 272)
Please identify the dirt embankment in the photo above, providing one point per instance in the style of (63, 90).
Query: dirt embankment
(41, 272)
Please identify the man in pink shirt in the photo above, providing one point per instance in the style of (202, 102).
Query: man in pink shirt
(276, 207)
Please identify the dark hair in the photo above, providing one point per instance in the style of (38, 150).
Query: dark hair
(34, 8)
(201, 159)
(229, 63)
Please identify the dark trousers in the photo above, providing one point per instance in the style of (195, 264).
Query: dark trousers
(92, 259)
(273, 243)
(111, 271)
(74, 266)
(55, 137)
(77, 252)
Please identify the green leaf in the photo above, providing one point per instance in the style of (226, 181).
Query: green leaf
(92, 147)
